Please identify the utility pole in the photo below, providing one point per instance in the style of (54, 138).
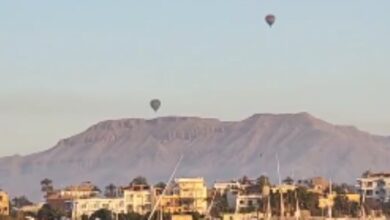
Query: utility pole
(330, 200)
(280, 189)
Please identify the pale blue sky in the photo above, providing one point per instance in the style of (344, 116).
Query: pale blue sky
(65, 65)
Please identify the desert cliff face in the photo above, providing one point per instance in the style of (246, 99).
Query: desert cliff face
(117, 150)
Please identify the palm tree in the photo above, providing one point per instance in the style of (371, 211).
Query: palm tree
(288, 181)
(47, 186)
(263, 181)
(110, 191)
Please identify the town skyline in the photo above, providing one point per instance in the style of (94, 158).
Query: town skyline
(258, 197)
(65, 66)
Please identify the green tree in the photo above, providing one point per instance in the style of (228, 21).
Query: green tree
(288, 181)
(386, 209)
(263, 181)
(110, 191)
(102, 214)
(161, 185)
(139, 180)
(342, 207)
(19, 202)
(132, 216)
(196, 216)
(48, 213)
(244, 180)
(308, 200)
(220, 205)
(47, 186)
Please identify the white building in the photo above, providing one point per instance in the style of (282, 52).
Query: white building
(138, 198)
(375, 186)
(243, 202)
(284, 188)
(224, 187)
(88, 206)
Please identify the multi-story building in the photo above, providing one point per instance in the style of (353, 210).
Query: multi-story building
(185, 195)
(284, 188)
(84, 190)
(135, 198)
(170, 203)
(138, 198)
(224, 187)
(244, 202)
(61, 199)
(317, 184)
(4, 203)
(88, 206)
(375, 186)
(193, 194)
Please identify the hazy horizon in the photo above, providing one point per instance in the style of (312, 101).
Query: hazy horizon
(67, 65)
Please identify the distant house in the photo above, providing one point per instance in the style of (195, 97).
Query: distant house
(87, 206)
(244, 202)
(193, 194)
(138, 198)
(223, 187)
(4, 203)
(185, 196)
(244, 198)
(316, 184)
(284, 188)
(62, 198)
(375, 186)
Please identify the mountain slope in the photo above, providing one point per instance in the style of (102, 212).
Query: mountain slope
(117, 150)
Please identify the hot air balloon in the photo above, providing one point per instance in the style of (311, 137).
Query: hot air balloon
(155, 104)
(270, 19)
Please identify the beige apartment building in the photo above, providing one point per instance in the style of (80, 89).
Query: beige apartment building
(138, 198)
(193, 194)
(4, 203)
